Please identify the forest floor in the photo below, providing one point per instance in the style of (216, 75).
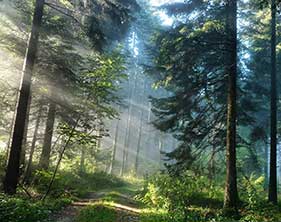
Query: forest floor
(121, 200)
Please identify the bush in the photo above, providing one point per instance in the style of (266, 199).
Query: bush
(192, 198)
(252, 192)
(18, 209)
(2, 168)
(178, 194)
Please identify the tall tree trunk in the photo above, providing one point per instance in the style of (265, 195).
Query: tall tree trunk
(115, 143)
(266, 166)
(231, 193)
(128, 128)
(24, 142)
(46, 151)
(11, 131)
(28, 170)
(128, 133)
(132, 92)
(160, 148)
(139, 143)
(82, 161)
(272, 189)
(12, 173)
(212, 167)
(98, 145)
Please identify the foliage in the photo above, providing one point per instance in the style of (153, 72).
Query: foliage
(97, 213)
(75, 183)
(190, 63)
(191, 198)
(153, 215)
(252, 191)
(20, 209)
(177, 195)
(2, 166)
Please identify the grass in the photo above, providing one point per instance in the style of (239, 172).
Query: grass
(98, 212)
(68, 186)
(22, 209)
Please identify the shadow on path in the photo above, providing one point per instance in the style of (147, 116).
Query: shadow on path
(127, 209)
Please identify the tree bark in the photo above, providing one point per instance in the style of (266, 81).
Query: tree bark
(46, 151)
(266, 168)
(12, 173)
(24, 142)
(160, 148)
(82, 161)
(28, 170)
(139, 143)
(111, 167)
(231, 193)
(272, 189)
(212, 167)
(128, 128)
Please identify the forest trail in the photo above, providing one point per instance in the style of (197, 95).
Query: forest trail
(126, 208)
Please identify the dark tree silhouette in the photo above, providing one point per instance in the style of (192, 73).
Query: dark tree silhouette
(231, 194)
(272, 189)
(47, 145)
(12, 174)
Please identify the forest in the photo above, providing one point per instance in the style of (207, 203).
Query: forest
(140, 110)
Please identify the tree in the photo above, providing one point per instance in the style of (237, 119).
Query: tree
(115, 144)
(190, 64)
(28, 170)
(12, 173)
(272, 189)
(47, 144)
(231, 193)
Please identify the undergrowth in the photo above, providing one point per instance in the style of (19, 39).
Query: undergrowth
(66, 187)
(22, 209)
(99, 212)
(77, 184)
(196, 199)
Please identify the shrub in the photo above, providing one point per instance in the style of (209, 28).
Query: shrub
(252, 192)
(178, 194)
(18, 209)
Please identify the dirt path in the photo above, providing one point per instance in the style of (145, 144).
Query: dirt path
(126, 208)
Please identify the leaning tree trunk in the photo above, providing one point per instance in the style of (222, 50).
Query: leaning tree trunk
(231, 193)
(28, 170)
(272, 189)
(12, 173)
(47, 144)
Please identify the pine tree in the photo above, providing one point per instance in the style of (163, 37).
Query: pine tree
(272, 189)
(12, 174)
(231, 193)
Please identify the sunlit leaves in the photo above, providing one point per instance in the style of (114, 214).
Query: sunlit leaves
(77, 136)
(103, 76)
(67, 3)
